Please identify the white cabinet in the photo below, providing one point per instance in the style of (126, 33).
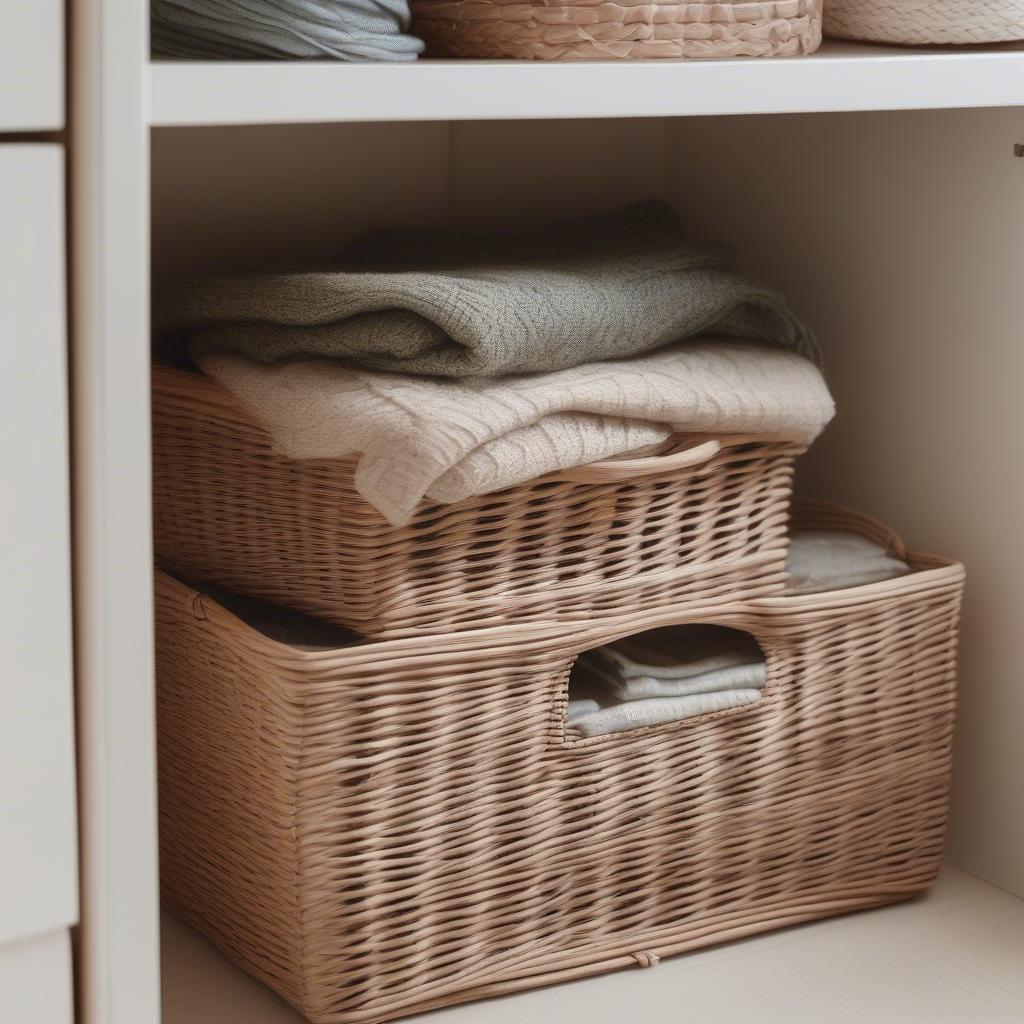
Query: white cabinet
(35, 980)
(38, 850)
(894, 221)
(31, 65)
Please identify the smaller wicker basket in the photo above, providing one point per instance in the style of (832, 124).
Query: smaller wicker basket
(617, 29)
(703, 523)
(935, 22)
(381, 829)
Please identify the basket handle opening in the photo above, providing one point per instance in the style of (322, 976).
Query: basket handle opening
(619, 470)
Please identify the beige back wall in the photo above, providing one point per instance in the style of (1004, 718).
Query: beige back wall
(918, 297)
(244, 197)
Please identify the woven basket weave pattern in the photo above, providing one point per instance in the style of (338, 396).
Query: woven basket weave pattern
(587, 30)
(397, 826)
(924, 22)
(231, 512)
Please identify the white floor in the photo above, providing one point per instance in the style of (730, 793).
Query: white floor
(955, 956)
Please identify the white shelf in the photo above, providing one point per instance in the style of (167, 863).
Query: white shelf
(840, 76)
(952, 957)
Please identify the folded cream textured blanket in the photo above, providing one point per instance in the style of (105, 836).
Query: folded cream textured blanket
(343, 29)
(448, 305)
(821, 560)
(448, 440)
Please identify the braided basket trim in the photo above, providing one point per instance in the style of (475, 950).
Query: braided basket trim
(627, 29)
(924, 22)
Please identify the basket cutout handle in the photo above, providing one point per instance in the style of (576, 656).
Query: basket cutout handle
(620, 470)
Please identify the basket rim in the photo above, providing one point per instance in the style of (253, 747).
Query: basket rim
(318, 669)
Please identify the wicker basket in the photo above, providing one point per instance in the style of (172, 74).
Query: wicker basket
(390, 827)
(935, 22)
(707, 522)
(627, 29)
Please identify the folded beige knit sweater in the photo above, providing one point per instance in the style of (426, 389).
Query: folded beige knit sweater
(447, 440)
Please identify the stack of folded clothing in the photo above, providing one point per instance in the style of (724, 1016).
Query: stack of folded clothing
(821, 560)
(351, 30)
(455, 366)
(679, 672)
(663, 676)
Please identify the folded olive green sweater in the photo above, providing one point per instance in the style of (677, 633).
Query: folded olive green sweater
(449, 305)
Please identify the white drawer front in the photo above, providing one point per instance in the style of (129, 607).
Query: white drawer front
(38, 859)
(35, 980)
(31, 65)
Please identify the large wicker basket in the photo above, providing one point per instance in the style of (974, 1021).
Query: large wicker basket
(617, 29)
(935, 22)
(709, 521)
(390, 827)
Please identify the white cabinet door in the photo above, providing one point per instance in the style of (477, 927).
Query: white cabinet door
(38, 849)
(31, 65)
(32, 59)
(35, 980)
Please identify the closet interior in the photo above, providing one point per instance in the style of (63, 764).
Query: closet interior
(897, 235)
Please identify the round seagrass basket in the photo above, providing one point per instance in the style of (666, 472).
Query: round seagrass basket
(617, 29)
(926, 22)
(702, 523)
(378, 829)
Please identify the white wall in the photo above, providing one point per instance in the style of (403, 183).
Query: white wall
(900, 237)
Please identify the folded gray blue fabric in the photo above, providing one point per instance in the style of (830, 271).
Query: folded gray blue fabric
(676, 662)
(664, 675)
(354, 30)
(578, 708)
(639, 714)
(749, 676)
(824, 560)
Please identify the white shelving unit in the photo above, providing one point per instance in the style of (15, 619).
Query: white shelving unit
(878, 186)
(841, 76)
(39, 901)
(32, 66)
